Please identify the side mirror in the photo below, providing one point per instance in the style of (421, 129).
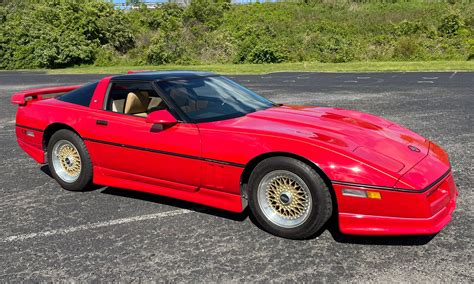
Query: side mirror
(162, 117)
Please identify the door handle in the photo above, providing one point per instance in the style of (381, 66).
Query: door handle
(101, 122)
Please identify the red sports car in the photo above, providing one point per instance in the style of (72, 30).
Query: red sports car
(202, 138)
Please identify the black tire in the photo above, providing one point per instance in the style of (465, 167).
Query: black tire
(85, 176)
(321, 202)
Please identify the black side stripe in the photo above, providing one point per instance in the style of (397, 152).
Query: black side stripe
(27, 127)
(374, 186)
(166, 153)
(430, 186)
(224, 162)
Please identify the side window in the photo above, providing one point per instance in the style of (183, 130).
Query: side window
(133, 98)
(81, 96)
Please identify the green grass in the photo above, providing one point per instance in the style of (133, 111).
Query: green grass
(282, 67)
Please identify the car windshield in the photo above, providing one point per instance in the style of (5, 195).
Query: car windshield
(207, 99)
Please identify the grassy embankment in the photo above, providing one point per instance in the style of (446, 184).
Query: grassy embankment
(284, 67)
(92, 37)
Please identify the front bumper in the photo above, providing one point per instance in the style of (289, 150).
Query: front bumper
(397, 212)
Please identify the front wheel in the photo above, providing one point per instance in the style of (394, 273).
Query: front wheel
(288, 198)
(69, 160)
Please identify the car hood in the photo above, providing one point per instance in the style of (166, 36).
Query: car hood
(369, 138)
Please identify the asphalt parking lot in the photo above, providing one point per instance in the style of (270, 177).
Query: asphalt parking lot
(49, 234)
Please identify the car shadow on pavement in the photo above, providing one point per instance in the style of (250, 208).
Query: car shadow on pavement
(163, 200)
(332, 225)
(45, 170)
(175, 203)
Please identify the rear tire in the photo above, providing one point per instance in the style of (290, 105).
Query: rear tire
(69, 160)
(288, 198)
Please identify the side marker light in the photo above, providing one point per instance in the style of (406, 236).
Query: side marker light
(361, 193)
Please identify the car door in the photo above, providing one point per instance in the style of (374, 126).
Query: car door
(126, 146)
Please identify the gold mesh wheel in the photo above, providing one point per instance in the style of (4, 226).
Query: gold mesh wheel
(287, 197)
(284, 198)
(66, 161)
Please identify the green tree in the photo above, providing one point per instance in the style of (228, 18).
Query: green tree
(60, 33)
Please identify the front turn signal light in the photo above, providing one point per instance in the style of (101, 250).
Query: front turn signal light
(374, 195)
(361, 193)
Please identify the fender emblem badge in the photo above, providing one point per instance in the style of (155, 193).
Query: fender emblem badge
(413, 148)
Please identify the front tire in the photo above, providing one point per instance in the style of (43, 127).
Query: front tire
(288, 198)
(69, 160)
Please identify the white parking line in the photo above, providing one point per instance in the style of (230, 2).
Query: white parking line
(430, 78)
(350, 81)
(94, 225)
(422, 82)
(363, 78)
(452, 75)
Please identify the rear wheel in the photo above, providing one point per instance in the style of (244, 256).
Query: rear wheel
(288, 198)
(69, 161)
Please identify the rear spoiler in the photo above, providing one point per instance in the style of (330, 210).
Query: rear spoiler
(22, 97)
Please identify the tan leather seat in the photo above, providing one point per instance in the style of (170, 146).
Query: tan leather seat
(117, 105)
(137, 103)
(154, 102)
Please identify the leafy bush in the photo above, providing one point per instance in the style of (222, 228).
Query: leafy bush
(207, 12)
(409, 28)
(406, 48)
(265, 54)
(55, 34)
(166, 48)
(259, 44)
(471, 49)
(106, 56)
(450, 25)
(216, 46)
(335, 49)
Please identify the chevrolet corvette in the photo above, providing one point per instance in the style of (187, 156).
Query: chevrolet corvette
(203, 138)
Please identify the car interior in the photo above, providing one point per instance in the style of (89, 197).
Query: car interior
(140, 99)
(134, 99)
(197, 99)
(194, 98)
(184, 101)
